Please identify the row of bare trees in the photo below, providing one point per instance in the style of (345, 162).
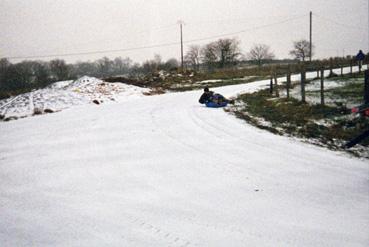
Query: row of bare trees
(226, 52)
(218, 54)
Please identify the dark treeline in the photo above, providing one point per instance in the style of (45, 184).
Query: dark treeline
(41, 73)
(26, 75)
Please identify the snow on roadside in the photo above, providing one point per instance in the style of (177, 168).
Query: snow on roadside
(220, 80)
(209, 81)
(65, 94)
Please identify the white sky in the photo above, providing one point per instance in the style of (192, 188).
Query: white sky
(44, 27)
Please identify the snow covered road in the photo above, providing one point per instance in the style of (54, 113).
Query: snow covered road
(166, 171)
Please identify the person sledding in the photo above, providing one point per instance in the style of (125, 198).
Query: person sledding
(211, 99)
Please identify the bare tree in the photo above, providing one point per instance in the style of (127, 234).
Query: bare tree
(209, 55)
(121, 66)
(223, 52)
(85, 68)
(171, 64)
(260, 53)
(4, 63)
(301, 49)
(104, 66)
(26, 71)
(228, 50)
(153, 65)
(4, 66)
(41, 73)
(59, 69)
(192, 57)
(157, 60)
(135, 71)
(17, 76)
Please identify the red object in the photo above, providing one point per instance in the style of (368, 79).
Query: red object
(355, 110)
(366, 113)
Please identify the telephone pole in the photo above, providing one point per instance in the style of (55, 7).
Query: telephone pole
(180, 22)
(311, 35)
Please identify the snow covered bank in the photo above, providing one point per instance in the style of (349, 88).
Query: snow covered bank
(65, 94)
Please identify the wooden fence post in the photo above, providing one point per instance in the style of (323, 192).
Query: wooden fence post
(366, 87)
(276, 85)
(350, 67)
(303, 79)
(271, 85)
(322, 87)
(341, 70)
(317, 70)
(288, 84)
(318, 66)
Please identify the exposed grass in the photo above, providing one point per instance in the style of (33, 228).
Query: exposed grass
(220, 83)
(326, 125)
(352, 90)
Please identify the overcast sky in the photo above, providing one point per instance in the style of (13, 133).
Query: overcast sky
(44, 27)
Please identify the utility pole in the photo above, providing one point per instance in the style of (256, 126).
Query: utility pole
(311, 35)
(180, 22)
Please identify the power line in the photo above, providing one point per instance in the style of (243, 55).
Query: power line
(157, 29)
(245, 30)
(158, 45)
(239, 20)
(338, 23)
(171, 26)
(96, 52)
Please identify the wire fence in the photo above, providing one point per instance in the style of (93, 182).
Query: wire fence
(318, 70)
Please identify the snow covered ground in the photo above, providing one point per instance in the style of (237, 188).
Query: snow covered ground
(166, 171)
(65, 94)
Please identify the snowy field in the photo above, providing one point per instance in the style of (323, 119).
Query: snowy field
(166, 171)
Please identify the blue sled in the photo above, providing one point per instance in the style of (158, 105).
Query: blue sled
(216, 105)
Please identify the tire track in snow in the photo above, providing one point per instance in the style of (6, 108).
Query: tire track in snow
(166, 133)
(164, 235)
(172, 239)
(242, 233)
(201, 122)
(224, 166)
(284, 156)
(275, 150)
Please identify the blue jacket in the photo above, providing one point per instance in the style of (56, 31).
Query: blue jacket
(360, 56)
